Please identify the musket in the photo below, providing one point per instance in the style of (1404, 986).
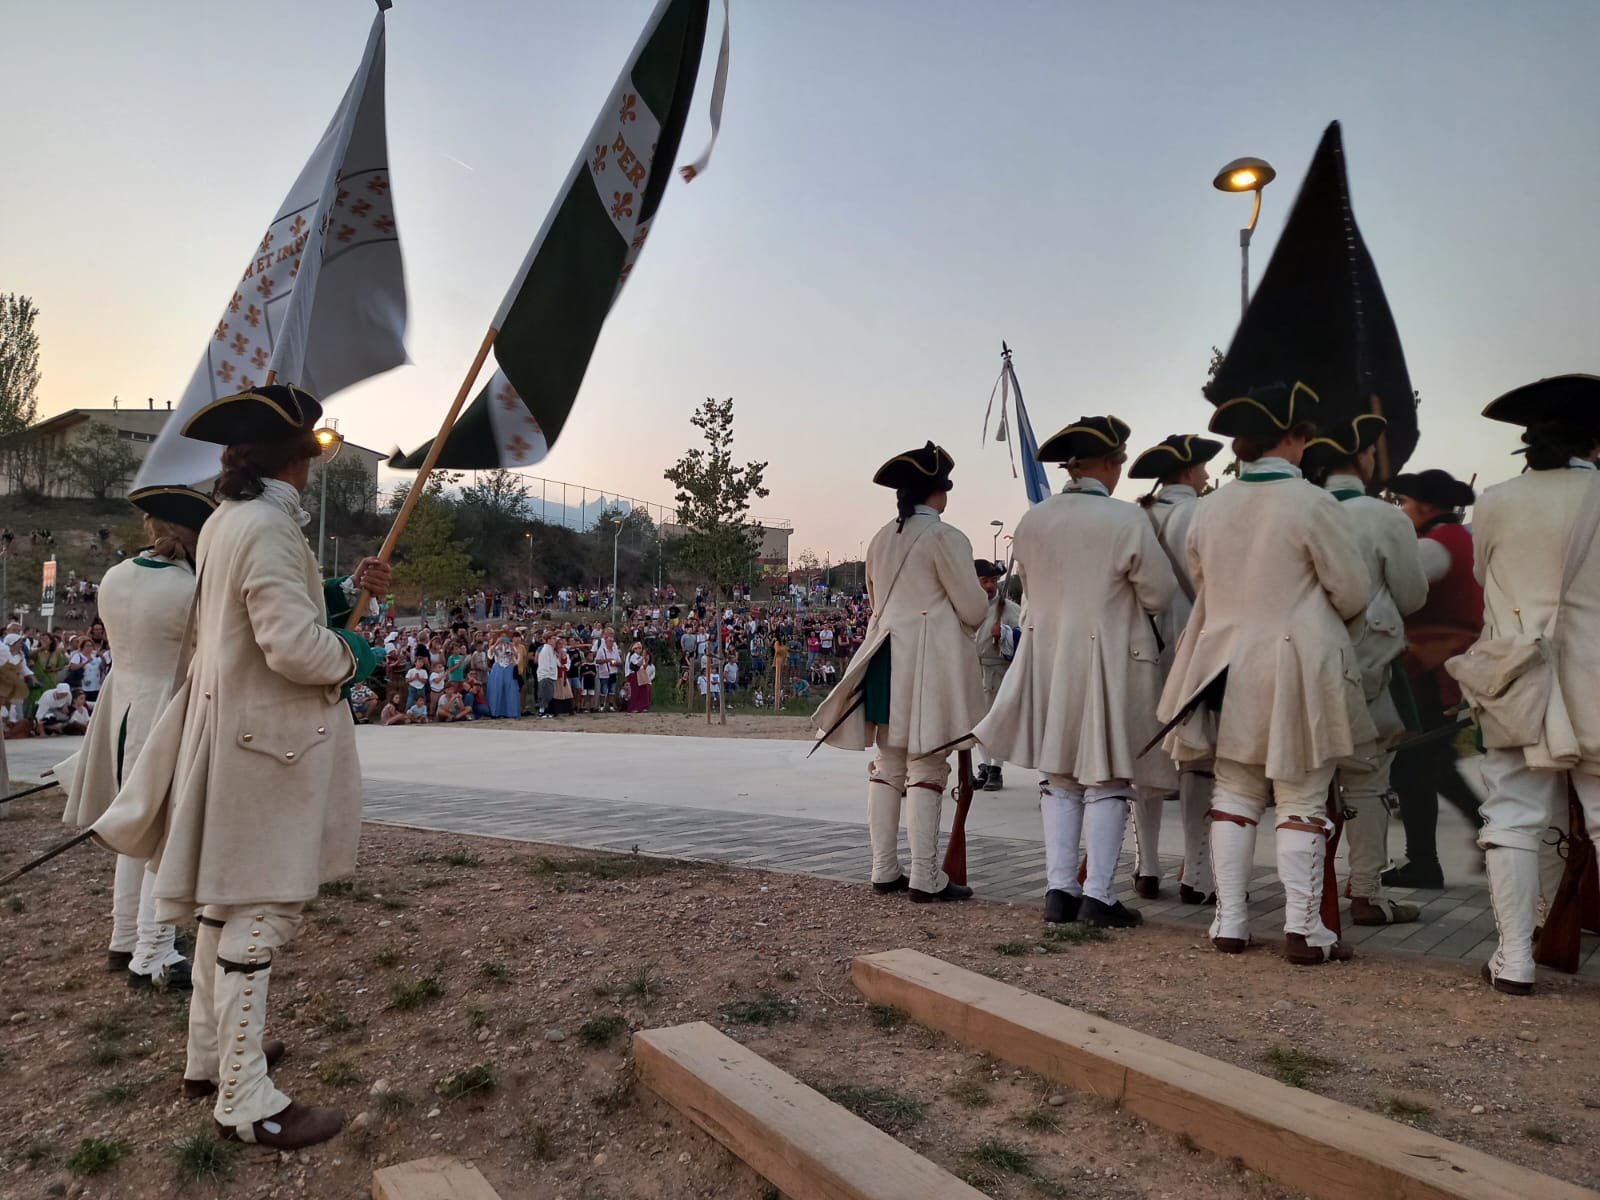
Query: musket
(42, 787)
(955, 849)
(47, 856)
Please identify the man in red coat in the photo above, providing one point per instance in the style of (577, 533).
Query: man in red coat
(1447, 623)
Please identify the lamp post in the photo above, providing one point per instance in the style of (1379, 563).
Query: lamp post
(1245, 175)
(330, 441)
(616, 538)
(529, 536)
(994, 544)
(334, 538)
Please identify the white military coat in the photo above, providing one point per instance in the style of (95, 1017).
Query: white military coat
(1080, 697)
(1389, 547)
(248, 788)
(1276, 574)
(1519, 540)
(927, 604)
(144, 603)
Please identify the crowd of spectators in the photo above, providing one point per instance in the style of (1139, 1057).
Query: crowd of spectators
(49, 682)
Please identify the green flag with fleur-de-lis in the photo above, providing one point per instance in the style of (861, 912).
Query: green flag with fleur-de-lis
(551, 317)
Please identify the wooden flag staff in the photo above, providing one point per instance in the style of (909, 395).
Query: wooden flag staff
(425, 470)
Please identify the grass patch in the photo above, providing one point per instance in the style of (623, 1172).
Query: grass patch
(477, 1018)
(34, 1152)
(336, 1072)
(606, 866)
(1075, 933)
(618, 1098)
(541, 1143)
(884, 1107)
(643, 985)
(1297, 1068)
(887, 1017)
(495, 972)
(347, 889)
(455, 858)
(1041, 1120)
(387, 957)
(205, 1158)
(1399, 1106)
(112, 1027)
(95, 1156)
(407, 996)
(120, 1092)
(788, 975)
(1541, 1133)
(17, 904)
(104, 1053)
(970, 1093)
(340, 1021)
(479, 1077)
(1001, 1157)
(391, 1102)
(765, 1009)
(602, 1029)
(1012, 949)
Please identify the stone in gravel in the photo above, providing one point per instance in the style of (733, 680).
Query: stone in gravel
(600, 1159)
(432, 1113)
(362, 1120)
(683, 1158)
(1478, 1110)
(483, 1035)
(1527, 1035)
(381, 1086)
(1282, 1005)
(58, 1187)
(1056, 1101)
(554, 1035)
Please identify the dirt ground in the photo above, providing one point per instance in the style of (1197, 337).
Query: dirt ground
(740, 725)
(511, 974)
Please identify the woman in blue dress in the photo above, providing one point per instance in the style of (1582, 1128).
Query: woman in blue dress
(504, 698)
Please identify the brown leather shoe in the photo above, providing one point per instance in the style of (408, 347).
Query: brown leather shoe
(1147, 887)
(1301, 954)
(1364, 911)
(1510, 987)
(272, 1050)
(293, 1128)
(1231, 945)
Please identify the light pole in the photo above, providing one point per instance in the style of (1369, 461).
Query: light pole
(529, 536)
(1245, 175)
(334, 538)
(330, 441)
(994, 545)
(616, 538)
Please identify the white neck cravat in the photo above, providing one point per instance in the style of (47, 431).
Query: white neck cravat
(284, 497)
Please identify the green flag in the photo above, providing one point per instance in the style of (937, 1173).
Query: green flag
(552, 315)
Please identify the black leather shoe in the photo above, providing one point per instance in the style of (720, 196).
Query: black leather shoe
(1191, 895)
(951, 891)
(1112, 916)
(176, 978)
(118, 961)
(994, 781)
(980, 777)
(1147, 887)
(1061, 908)
(894, 885)
(1415, 875)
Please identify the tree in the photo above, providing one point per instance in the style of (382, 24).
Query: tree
(432, 562)
(499, 495)
(350, 491)
(99, 460)
(719, 541)
(19, 364)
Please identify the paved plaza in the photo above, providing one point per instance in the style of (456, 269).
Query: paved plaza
(763, 803)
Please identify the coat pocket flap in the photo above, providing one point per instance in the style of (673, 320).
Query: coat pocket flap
(1490, 667)
(284, 736)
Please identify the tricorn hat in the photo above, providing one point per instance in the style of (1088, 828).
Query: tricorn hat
(1172, 454)
(1574, 399)
(1433, 486)
(180, 505)
(1266, 411)
(1319, 321)
(1343, 441)
(1087, 437)
(929, 467)
(276, 412)
(988, 569)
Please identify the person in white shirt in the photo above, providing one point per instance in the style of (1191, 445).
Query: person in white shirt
(78, 718)
(436, 682)
(730, 675)
(607, 661)
(417, 682)
(54, 706)
(547, 671)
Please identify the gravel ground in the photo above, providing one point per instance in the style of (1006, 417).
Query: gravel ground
(542, 959)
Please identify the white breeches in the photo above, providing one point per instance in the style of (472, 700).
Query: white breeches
(134, 928)
(921, 782)
(1363, 788)
(1074, 814)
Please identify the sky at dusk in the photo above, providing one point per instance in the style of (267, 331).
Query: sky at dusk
(898, 187)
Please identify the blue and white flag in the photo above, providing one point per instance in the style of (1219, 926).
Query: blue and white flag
(1033, 476)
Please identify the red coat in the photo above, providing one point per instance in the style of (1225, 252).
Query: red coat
(1448, 622)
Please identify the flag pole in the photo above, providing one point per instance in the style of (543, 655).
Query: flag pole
(425, 470)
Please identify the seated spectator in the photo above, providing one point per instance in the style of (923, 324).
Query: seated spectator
(393, 713)
(472, 693)
(55, 706)
(362, 699)
(417, 711)
(78, 718)
(451, 706)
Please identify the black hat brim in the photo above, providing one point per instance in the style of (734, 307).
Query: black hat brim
(273, 413)
(1090, 437)
(927, 466)
(1167, 459)
(1437, 488)
(1572, 399)
(987, 569)
(179, 505)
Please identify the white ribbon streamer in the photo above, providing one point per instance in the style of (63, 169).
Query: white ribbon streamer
(719, 89)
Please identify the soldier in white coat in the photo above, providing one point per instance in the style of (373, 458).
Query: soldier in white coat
(144, 602)
(1529, 535)
(912, 689)
(1343, 459)
(1178, 463)
(996, 640)
(1080, 698)
(247, 796)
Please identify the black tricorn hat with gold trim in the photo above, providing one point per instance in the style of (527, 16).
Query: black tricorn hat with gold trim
(1319, 320)
(1172, 454)
(276, 412)
(180, 505)
(987, 568)
(1267, 410)
(1343, 441)
(1436, 487)
(1087, 437)
(1570, 399)
(928, 466)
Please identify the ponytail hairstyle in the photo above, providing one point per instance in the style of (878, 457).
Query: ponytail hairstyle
(906, 499)
(246, 466)
(1552, 445)
(169, 539)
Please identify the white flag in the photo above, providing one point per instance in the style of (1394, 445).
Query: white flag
(322, 302)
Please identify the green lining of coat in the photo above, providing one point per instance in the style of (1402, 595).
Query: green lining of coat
(122, 740)
(876, 687)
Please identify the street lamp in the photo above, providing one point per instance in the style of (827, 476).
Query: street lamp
(334, 538)
(529, 536)
(1245, 175)
(331, 442)
(615, 539)
(994, 545)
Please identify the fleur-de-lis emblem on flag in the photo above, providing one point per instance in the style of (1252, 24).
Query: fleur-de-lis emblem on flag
(639, 237)
(622, 276)
(222, 330)
(298, 227)
(239, 345)
(225, 371)
(600, 157)
(378, 185)
(258, 360)
(621, 204)
(266, 286)
(252, 316)
(384, 224)
(361, 208)
(233, 305)
(294, 270)
(518, 446)
(628, 112)
(346, 232)
(266, 241)
(246, 383)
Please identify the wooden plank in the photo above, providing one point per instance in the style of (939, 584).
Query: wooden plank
(798, 1140)
(441, 1178)
(1305, 1141)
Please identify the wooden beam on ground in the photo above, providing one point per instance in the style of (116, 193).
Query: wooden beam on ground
(1302, 1140)
(798, 1140)
(441, 1178)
